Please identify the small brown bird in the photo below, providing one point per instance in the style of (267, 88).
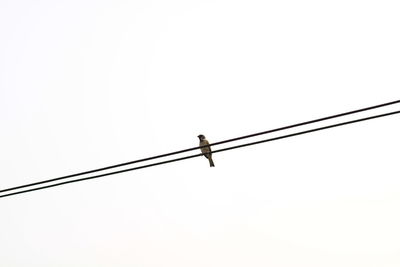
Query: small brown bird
(206, 150)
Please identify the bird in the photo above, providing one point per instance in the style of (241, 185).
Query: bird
(206, 150)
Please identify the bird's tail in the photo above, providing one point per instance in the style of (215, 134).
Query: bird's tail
(211, 162)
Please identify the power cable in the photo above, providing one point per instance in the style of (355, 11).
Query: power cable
(198, 155)
(194, 148)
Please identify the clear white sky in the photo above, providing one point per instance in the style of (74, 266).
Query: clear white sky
(85, 84)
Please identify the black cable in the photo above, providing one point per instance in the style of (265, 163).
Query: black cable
(194, 148)
(198, 155)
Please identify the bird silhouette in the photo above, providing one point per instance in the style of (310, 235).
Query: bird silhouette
(206, 150)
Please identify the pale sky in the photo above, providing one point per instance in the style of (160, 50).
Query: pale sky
(86, 84)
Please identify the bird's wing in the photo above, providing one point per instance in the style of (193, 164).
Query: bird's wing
(206, 149)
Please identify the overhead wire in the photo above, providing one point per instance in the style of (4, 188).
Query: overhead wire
(197, 147)
(198, 155)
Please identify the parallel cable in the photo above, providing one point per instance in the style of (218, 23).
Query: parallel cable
(198, 155)
(194, 148)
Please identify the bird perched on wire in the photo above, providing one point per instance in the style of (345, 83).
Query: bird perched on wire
(206, 150)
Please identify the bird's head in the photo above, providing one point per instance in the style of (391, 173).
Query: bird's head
(201, 137)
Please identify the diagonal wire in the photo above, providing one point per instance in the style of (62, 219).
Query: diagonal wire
(198, 155)
(194, 148)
